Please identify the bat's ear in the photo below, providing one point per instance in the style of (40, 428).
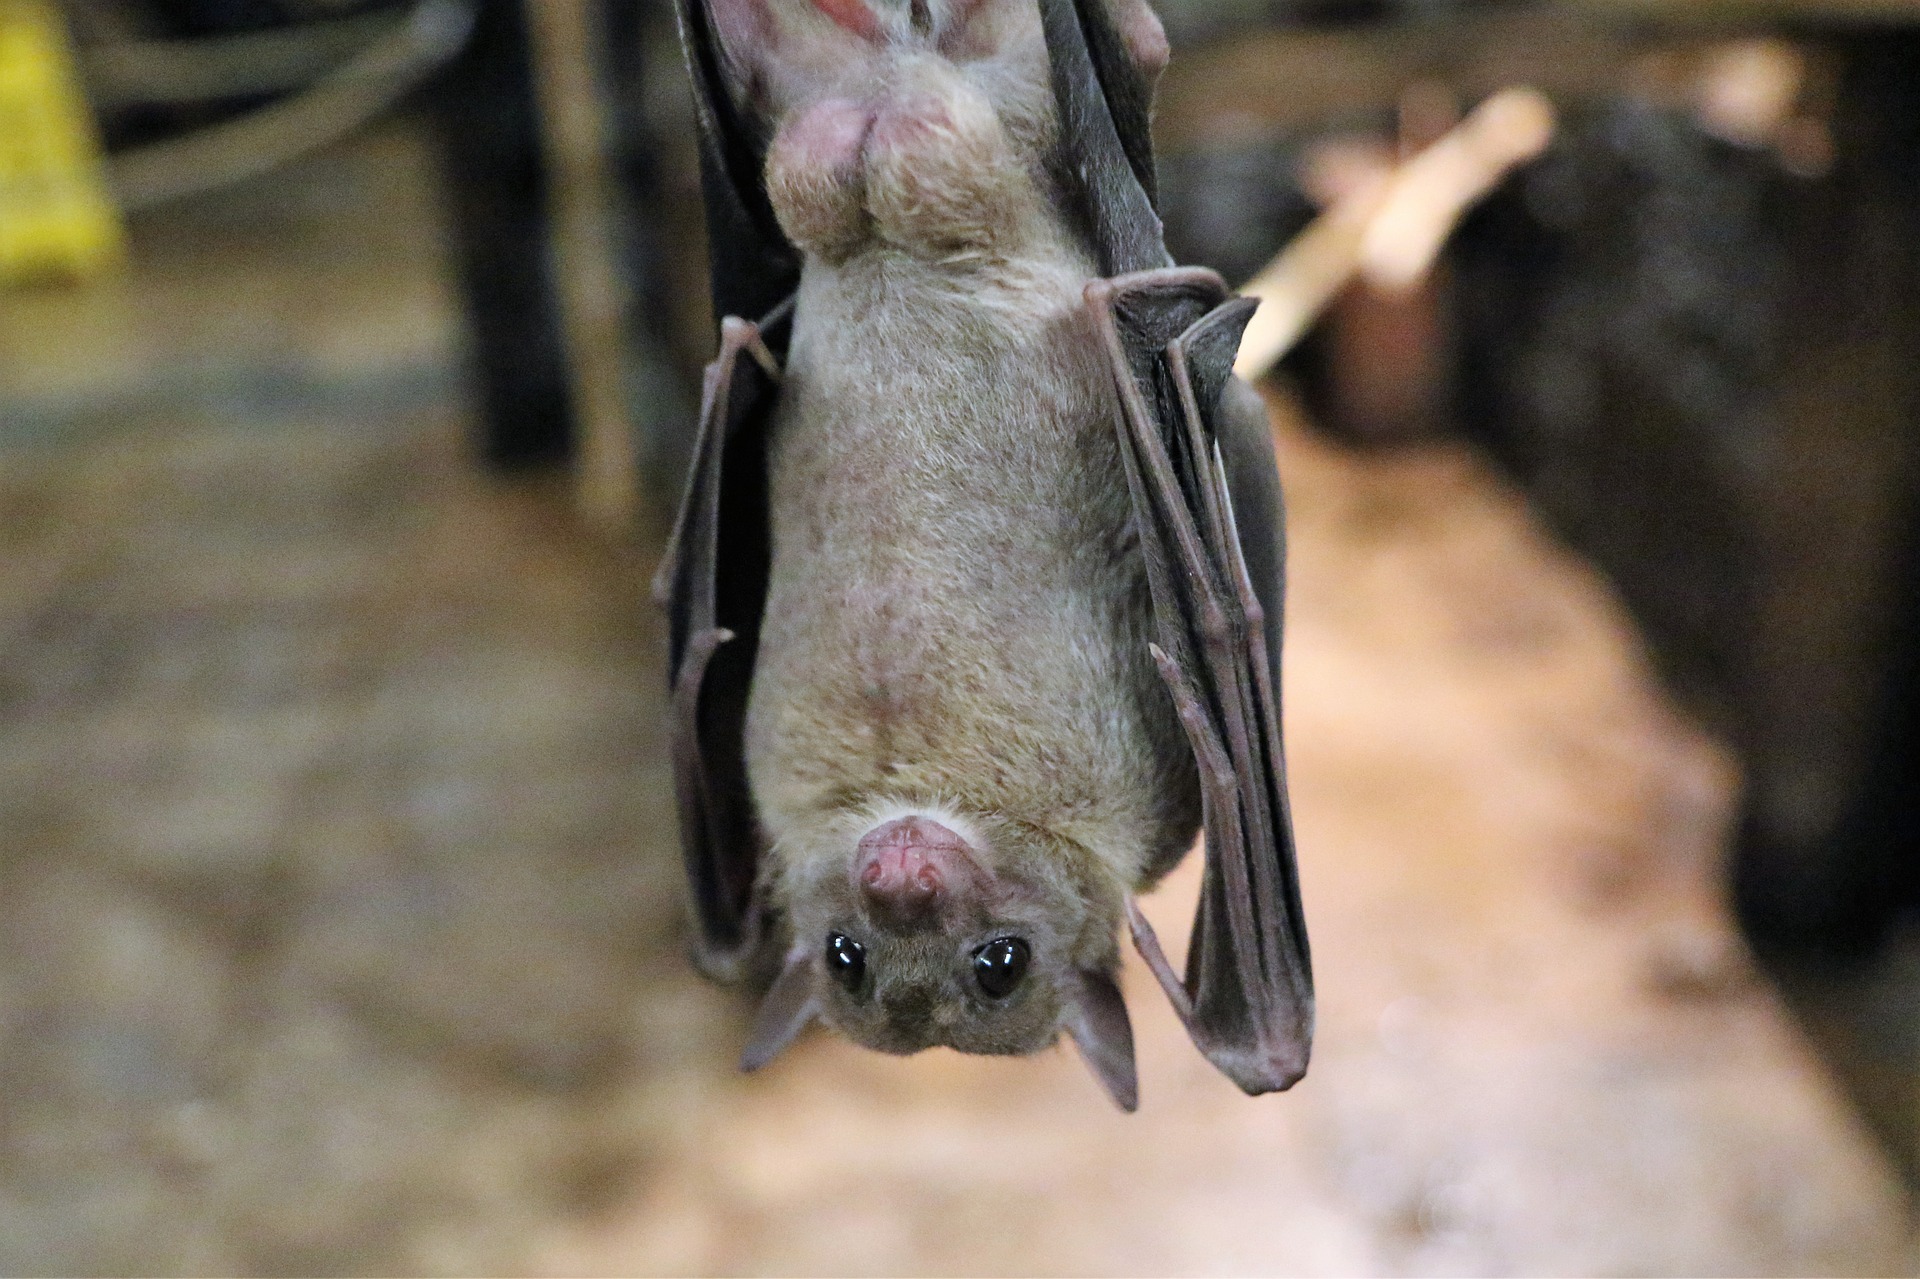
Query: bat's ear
(789, 1005)
(1101, 1031)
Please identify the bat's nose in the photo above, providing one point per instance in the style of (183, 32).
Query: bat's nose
(907, 868)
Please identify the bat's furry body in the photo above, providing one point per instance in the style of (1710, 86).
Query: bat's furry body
(958, 619)
(958, 739)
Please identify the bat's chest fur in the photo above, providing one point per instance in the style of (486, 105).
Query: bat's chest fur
(957, 613)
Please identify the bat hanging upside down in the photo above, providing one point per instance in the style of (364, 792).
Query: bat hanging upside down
(976, 590)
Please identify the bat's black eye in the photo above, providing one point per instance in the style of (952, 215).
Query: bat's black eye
(846, 960)
(1000, 964)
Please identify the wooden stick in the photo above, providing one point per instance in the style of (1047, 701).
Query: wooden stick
(1388, 231)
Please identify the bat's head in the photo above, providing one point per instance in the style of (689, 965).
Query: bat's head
(986, 937)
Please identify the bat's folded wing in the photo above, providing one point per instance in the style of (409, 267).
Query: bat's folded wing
(1206, 501)
(714, 580)
(714, 585)
(1206, 504)
(753, 265)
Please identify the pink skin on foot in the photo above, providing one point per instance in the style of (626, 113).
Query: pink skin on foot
(852, 15)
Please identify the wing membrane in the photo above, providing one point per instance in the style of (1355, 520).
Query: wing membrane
(714, 583)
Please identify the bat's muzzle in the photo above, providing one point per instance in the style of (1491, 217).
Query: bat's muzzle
(907, 870)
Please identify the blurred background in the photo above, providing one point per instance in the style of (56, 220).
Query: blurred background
(348, 359)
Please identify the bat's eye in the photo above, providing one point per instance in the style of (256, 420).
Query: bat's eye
(1000, 964)
(846, 960)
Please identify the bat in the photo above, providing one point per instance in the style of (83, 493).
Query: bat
(975, 593)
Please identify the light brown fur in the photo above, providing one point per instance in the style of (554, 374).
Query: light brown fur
(958, 621)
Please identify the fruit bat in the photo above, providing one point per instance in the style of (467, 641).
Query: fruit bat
(975, 594)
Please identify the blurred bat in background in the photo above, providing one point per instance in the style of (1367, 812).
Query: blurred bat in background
(976, 591)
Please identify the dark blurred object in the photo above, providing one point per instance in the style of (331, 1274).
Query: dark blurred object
(1232, 205)
(229, 17)
(658, 225)
(1690, 334)
(1703, 369)
(489, 127)
(1192, 20)
(161, 70)
(197, 93)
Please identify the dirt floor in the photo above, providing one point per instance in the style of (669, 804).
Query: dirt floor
(340, 910)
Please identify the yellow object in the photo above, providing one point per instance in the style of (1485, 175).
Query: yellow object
(56, 216)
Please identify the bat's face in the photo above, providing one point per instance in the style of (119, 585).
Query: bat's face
(991, 941)
(926, 936)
